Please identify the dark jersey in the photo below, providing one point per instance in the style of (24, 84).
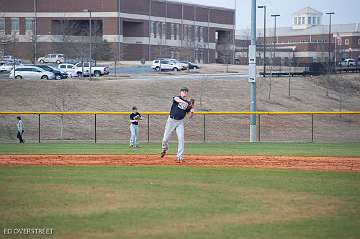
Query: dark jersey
(178, 110)
(132, 117)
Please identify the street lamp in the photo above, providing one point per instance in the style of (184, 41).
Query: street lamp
(90, 40)
(330, 14)
(264, 40)
(275, 37)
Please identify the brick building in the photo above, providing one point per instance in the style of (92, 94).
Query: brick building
(131, 29)
(307, 41)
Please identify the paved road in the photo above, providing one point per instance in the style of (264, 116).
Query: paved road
(156, 76)
(222, 76)
(131, 70)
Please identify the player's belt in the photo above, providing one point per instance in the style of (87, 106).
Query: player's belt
(173, 117)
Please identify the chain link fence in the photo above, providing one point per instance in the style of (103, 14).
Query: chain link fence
(203, 127)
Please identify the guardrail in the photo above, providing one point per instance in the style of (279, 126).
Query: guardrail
(203, 114)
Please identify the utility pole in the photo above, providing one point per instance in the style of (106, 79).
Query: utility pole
(264, 40)
(329, 48)
(90, 41)
(252, 73)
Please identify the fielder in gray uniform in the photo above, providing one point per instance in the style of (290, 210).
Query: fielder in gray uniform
(181, 106)
(135, 116)
(20, 130)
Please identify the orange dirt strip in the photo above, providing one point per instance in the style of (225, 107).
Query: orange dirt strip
(281, 162)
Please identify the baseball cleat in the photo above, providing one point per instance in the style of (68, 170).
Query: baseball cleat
(163, 153)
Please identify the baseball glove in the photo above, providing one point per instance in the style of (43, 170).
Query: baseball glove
(191, 104)
(138, 117)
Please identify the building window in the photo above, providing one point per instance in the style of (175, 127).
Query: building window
(196, 33)
(201, 34)
(159, 29)
(177, 31)
(309, 20)
(347, 42)
(318, 20)
(163, 30)
(184, 32)
(154, 29)
(14, 24)
(339, 42)
(359, 42)
(28, 24)
(2, 24)
(314, 20)
(303, 20)
(190, 33)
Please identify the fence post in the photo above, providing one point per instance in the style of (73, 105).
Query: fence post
(95, 127)
(259, 132)
(204, 127)
(289, 86)
(148, 128)
(312, 128)
(39, 129)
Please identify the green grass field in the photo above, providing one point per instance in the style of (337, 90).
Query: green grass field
(185, 202)
(181, 202)
(278, 149)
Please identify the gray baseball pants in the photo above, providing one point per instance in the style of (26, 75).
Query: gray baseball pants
(134, 130)
(171, 125)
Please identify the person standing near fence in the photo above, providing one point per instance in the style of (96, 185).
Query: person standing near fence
(20, 130)
(180, 107)
(135, 117)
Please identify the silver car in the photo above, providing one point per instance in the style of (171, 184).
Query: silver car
(52, 58)
(31, 72)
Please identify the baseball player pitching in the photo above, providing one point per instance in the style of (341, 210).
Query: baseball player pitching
(180, 107)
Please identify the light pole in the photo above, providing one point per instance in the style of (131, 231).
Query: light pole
(90, 41)
(329, 61)
(252, 73)
(234, 33)
(264, 40)
(275, 37)
(35, 32)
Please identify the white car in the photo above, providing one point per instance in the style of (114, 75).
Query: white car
(8, 66)
(70, 69)
(96, 71)
(165, 65)
(348, 62)
(183, 66)
(8, 58)
(31, 72)
(52, 58)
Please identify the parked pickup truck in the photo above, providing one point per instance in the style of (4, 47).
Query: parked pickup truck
(96, 71)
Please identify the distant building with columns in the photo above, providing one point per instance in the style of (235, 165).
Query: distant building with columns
(306, 41)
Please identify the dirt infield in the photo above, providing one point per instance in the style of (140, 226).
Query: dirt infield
(281, 162)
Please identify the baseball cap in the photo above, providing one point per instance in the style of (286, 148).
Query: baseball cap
(184, 88)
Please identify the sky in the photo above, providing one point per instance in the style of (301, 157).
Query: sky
(346, 11)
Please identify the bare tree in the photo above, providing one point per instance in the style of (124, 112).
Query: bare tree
(62, 100)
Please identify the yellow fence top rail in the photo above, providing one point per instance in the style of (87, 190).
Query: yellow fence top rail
(199, 113)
